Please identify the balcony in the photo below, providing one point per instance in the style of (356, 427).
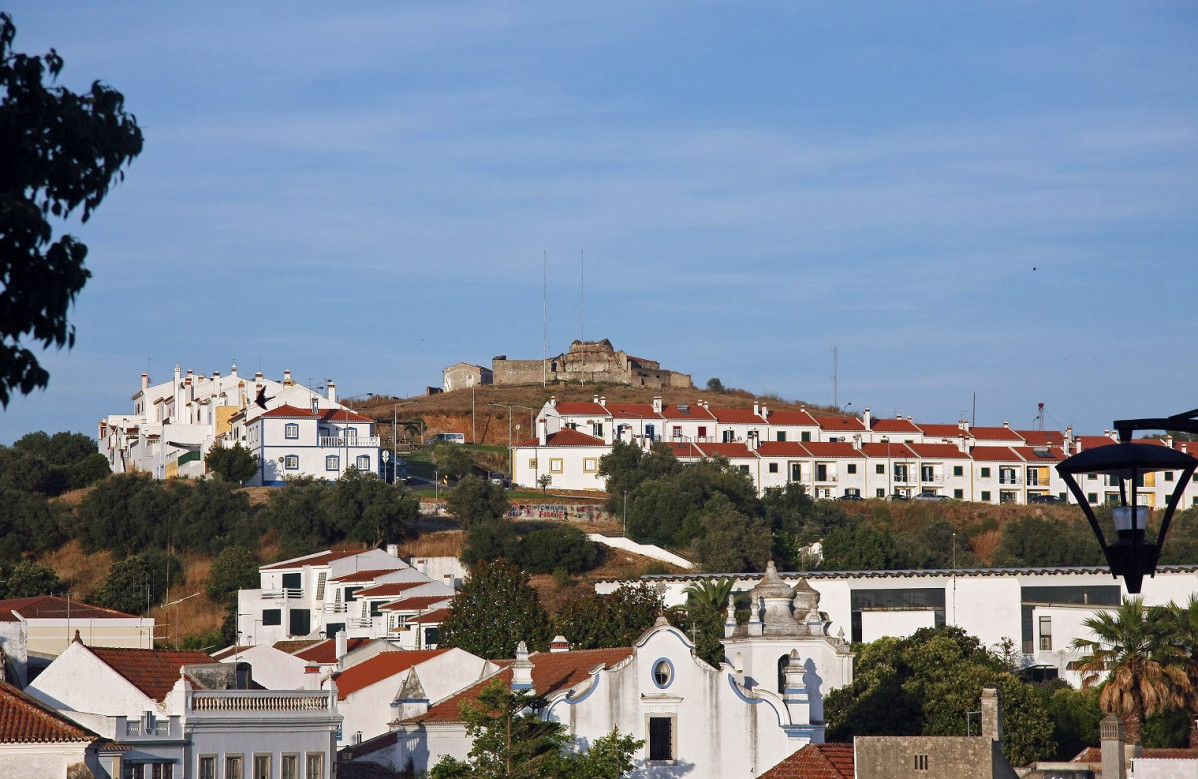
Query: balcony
(286, 593)
(156, 728)
(334, 442)
(1010, 481)
(238, 701)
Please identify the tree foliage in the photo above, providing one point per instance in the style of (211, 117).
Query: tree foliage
(926, 683)
(1039, 541)
(564, 547)
(595, 621)
(234, 464)
(476, 499)
(451, 460)
(233, 569)
(137, 582)
(511, 740)
(62, 151)
(28, 578)
(494, 611)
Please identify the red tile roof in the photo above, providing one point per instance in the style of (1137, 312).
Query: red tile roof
(792, 419)
(782, 449)
(942, 431)
(938, 451)
(568, 437)
(993, 454)
(738, 416)
(887, 451)
(380, 667)
(1042, 454)
(1093, 441)
(363, 576)
(885, 425)
(318, 558)
(551, 671)
(26, 720)
(816, 761)
(54, 607)
(325, 652)
(1094, 754)
(684, 449)
(995, 434)
(416, 604)
(632, 411)
(831, 449)
(693, 411)
(288, 412)
(342, 415)
(731, 451)
(841, 424)
(434, 617)
(389, 589)
(153, 671)
(1042, 437)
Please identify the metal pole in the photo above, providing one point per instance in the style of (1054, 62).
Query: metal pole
(626, 513)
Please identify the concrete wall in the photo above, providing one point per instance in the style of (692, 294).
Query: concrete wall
(929, 757)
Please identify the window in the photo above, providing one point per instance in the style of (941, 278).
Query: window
(821, 472)
(261, 766)
(781, 435)
(301, 622)
(432, 636)
(1092, 497)
(291, 430)
(796, 472)
(207, 767)
(233, 767)
(1168, 475)
(597, 429)
(958, 470)
(985, 496)
(921, 762)
(293, 581)
(985, 473)
(289, 765)
(879, 468)
(320, 582)
(363, 462)
(272, 616)
(663, 673)
(900, 473)
(927, 473)
(744, 469)
(134, 771)
(773, 467)
(879, 492)
(555, 465)
(852, 467)
(532, 463)
(661, 738)
(959, 494)
(728, 437)
(332, 463)
(590, 464)
(1045, 634)
(677, 432)
(162, 771)
(806, 436)
(349, 593)
(702, 433)
(315, 766)
(291, 462)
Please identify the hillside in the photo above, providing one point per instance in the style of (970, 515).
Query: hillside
(451, 412)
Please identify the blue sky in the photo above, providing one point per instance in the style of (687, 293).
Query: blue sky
(997, 198)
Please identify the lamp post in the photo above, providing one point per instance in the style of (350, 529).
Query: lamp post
(1131, 555)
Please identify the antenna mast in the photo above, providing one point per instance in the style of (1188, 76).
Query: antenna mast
(835, 377)
(545, 319)
(582, 295)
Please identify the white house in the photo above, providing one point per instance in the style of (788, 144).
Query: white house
(176, 423)
(37, 742)
(183, 714)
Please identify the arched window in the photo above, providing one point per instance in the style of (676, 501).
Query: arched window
(782, 663)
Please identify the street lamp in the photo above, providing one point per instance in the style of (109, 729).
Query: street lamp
(1131, 555)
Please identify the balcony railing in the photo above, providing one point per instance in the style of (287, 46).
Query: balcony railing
(349, 443)
(260, 700)
(1010, 480)
(335, 608)
(140, 728)
(286, 592)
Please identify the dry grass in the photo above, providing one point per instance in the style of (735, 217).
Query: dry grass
(986, 544)
(192, 613)
(84, 572)
(443, 543)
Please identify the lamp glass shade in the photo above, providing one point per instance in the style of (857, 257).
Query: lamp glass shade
(1129, 518)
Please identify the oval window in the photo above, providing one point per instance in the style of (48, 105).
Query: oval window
(663, 673)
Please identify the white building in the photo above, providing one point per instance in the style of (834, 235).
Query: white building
(183, 714)
(1039, 610)
(831, 457)
(322, 594)
(764, 702)
(294, 430)
(37, 742)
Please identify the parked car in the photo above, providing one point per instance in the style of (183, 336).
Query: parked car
(931, 496)
(501, 479)
(849, 497)
(1044, 499)
(446, 438)
(899, 496)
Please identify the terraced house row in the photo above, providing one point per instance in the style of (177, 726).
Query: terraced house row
(832, 457)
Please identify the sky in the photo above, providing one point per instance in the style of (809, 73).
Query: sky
(903, 206)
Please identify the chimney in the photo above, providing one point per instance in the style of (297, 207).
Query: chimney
(1113, 756)
(332, 392)
(991, 714)
(559, 644)
(595, 399)
(867, 420)
(1006, 425)
(553, 401)
(522, 670)
(145, 381)
(543, 431)
(393, 550)
(233, 372)
(765, 412)
(657, 404)
(286, 377)
(342, 644)
(603, 401)
(756, 409)
(312, 676)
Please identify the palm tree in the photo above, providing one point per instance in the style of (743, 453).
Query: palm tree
(1135, 651)
(709, 593)
(1185, 634)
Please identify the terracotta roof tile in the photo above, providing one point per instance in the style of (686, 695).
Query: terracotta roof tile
(551, 671)
(738, 416)
(153, 671)
(568, 437)
(362, 576)
(889, 451)
(26, 720)
(1042, 437)
(632, 411)
(581, 409)
(325, 652)
(885, 425)
(380, 667)
(942, 431)
(693, 411)
(684, 449)
(995, 434)
(342, 415)
(1043, 454)
(318, 558)
(786, 418)
(288, 412)
(731, 451)
(54, 607)
(295, 645)
(389, 589)
(994, 454)
(841, 424)
(938, 451)
(416, 604)
(782, 449)
(831, 449)
(816, 761)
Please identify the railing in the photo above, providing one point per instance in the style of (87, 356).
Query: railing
(140, 728)
(359, 622)
(260, 700)
(350, 443)
(1010, 480)
(335, 608)
(286, 592)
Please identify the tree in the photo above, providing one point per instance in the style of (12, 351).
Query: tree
(709, 593)
(1037, 541)
(128, 587)
(562, 547)
(62, 151)
(233, 569)
(451, 460)
(29, 578)
(235, 464)
(856, 546)
(491, 539)
(494, 611)
(595, 621)
(511, 740)
(732, 542)
(544, 480)
(476, 499)
(1135, 653)
(715, 385)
